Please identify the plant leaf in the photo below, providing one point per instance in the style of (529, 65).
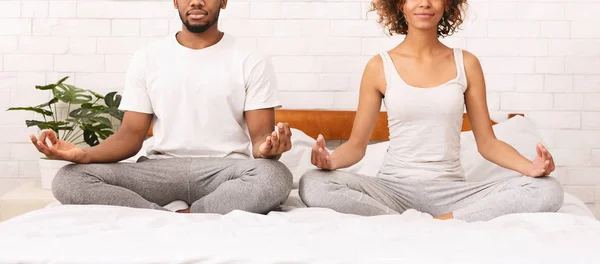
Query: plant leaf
(102, 120)
(60, 125)
(53, 101)
(116, 113)
(99, 96)
(62, 80)
(100, 108)
(90, 138)
(52, 85)
(83, 112)
(34, 109)
(45, 87)
(113, 101)
(70, 94)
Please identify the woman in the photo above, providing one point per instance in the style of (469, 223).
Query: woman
(425, 86)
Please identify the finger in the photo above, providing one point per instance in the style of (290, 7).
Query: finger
(287, 130)
(43, 137)
(52, 137)
(321, 141)
(287, 137)
(313, 158)
(545, 155)
(34, 140)
(538, 149)
(274, 142)
(280, 129)
(323, 156)
(328, 160)
(318, 159)
(44, 149)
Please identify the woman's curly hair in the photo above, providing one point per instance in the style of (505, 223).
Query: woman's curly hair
(392, 17)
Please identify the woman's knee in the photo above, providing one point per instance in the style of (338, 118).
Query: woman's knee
(548, 194)
(313, 186)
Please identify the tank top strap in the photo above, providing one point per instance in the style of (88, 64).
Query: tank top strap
(388, 67)
(460, 68)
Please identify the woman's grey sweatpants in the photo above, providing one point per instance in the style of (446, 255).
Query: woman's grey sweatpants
(210, 185)
(470, 201)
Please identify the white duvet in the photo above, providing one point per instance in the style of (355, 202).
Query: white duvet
(107, 234)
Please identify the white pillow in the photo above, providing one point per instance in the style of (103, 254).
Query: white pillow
(519, 132)
(297, 159)
(371, 162)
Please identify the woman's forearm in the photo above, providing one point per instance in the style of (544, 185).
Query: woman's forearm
(347, 155)
(504, 155)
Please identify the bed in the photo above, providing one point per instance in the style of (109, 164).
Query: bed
(296, 234)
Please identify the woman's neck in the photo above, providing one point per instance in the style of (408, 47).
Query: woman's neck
(422, 43)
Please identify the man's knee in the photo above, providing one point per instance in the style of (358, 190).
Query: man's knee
(276, 176)
(70, 182)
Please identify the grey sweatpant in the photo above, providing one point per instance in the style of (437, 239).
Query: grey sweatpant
(210, 185)
(470, 201)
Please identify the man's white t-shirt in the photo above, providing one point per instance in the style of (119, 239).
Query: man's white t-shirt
(198, 97)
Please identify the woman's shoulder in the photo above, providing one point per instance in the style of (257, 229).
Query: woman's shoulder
(469, 58)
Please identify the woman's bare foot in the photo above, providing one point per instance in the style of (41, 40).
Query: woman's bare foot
(184, 211)
(445, 216)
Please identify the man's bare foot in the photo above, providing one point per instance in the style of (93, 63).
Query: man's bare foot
(184, 211)
(445, 216)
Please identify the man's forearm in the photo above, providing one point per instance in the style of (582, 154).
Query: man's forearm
(114, 149)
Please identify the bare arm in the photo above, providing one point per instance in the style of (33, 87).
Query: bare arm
(369, 106)
(125, 143)
(267, 143)
(489, 146)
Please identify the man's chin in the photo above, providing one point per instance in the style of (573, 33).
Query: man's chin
(197, 28)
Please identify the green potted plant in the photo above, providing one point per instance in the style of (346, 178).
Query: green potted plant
(86, 119)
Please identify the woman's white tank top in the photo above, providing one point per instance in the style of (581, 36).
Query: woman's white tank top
(424, 125)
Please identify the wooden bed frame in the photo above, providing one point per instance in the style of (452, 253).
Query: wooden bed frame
(335, 124)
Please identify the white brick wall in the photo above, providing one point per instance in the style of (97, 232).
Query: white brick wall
(541, 58)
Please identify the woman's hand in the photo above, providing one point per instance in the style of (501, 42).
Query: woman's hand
(320, 156)
(543, 164)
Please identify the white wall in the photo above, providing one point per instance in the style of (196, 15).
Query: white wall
(540, 57)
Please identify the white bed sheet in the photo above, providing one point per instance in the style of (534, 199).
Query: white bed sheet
(107, 234)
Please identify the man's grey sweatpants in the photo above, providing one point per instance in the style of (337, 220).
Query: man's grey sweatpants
(210, 185)
(470, 201)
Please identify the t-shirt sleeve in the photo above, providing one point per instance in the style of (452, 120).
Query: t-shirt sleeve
(261, 88)
(135, 94)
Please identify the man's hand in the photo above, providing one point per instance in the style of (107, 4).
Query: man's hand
(543, 164)
(278, 142)
(320, 156)
(59, 149)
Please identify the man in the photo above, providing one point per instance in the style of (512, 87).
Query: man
(211, 104)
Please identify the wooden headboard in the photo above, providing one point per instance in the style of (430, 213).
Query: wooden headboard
(335, 124)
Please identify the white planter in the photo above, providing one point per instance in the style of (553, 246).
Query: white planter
(48, 169)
